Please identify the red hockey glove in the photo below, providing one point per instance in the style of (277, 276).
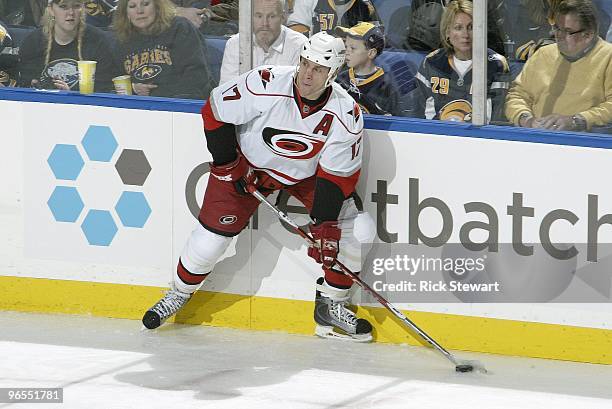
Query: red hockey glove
(237, 172)
(327, 237)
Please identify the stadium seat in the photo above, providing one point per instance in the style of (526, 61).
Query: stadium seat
(515, 68)
(18, 34)
(401, 66)
(215, 47)
(395, 15)
(10, 55)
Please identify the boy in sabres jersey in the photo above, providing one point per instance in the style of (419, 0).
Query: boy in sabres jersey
(367, 83)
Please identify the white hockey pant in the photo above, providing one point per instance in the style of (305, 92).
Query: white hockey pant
(204, 248)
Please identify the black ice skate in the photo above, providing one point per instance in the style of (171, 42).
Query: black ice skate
(172, 301)
(334, 320)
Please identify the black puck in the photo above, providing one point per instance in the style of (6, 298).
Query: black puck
(464, 368)
(151, 320)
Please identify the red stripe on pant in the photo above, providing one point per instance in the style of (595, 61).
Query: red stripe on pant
(337, 279)
(187, 277)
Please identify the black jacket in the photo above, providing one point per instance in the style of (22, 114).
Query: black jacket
(63, 60)
(174, 60)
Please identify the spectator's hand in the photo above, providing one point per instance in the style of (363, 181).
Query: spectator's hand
(192, 14)
(49, 83)
(143, 89)
(59, 84)
(555, 122)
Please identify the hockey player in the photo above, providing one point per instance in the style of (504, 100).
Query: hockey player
(303, 133)
(368, 84)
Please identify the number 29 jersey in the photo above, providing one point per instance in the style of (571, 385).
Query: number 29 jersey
(285, 138)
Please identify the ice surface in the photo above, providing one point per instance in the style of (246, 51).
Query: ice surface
(108, 364)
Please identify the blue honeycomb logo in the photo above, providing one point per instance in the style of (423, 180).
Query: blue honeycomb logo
(65, 202)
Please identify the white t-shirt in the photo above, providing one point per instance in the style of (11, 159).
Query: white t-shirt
(462, 66)
(284, 51)
(284, 139)
(303, 10)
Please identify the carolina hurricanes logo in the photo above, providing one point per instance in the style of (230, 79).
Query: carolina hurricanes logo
(266, 76)
(290, 144)
(228, 219)
(356, 112)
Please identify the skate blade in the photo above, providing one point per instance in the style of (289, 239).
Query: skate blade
(330, 333)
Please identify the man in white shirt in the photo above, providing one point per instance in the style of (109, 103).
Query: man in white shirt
(273, 43)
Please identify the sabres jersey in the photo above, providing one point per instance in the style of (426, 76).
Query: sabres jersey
(285, 138)
(374, 93)
(328, 14)
(447, 95)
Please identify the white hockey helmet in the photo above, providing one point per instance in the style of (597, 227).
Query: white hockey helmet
(326, 50)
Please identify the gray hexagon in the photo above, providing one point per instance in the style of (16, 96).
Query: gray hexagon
(65, 161)
(133, 209)
(99, 227)
(99, 143)
(133, 167)
(65, 204)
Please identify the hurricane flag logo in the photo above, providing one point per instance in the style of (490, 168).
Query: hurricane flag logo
(290, 144)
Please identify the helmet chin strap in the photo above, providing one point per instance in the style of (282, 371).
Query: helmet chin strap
(331, 78)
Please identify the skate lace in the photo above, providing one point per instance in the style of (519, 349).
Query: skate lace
(344, 314)
(170, 304)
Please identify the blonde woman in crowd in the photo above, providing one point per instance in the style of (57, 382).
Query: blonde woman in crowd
(162, 52)
(49, 54)
(445, 76)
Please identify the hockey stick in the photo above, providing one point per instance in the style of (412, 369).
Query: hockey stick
(460, 365)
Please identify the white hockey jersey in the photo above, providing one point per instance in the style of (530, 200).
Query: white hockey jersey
(288, 140)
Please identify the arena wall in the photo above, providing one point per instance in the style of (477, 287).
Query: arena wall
(101, 235)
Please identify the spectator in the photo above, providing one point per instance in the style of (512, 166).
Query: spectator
(368, 84)
(312, 16)
(213, 18)
(160, 50)
(190, 10)
(567, 85)
(100, 12)
(532, 27)
(50, 53)
(423, 32)
(22, 12)
(533, 22)
(445, 76)
(7, 63)
(274, 44)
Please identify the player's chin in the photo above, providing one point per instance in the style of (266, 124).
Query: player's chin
(305, 89)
